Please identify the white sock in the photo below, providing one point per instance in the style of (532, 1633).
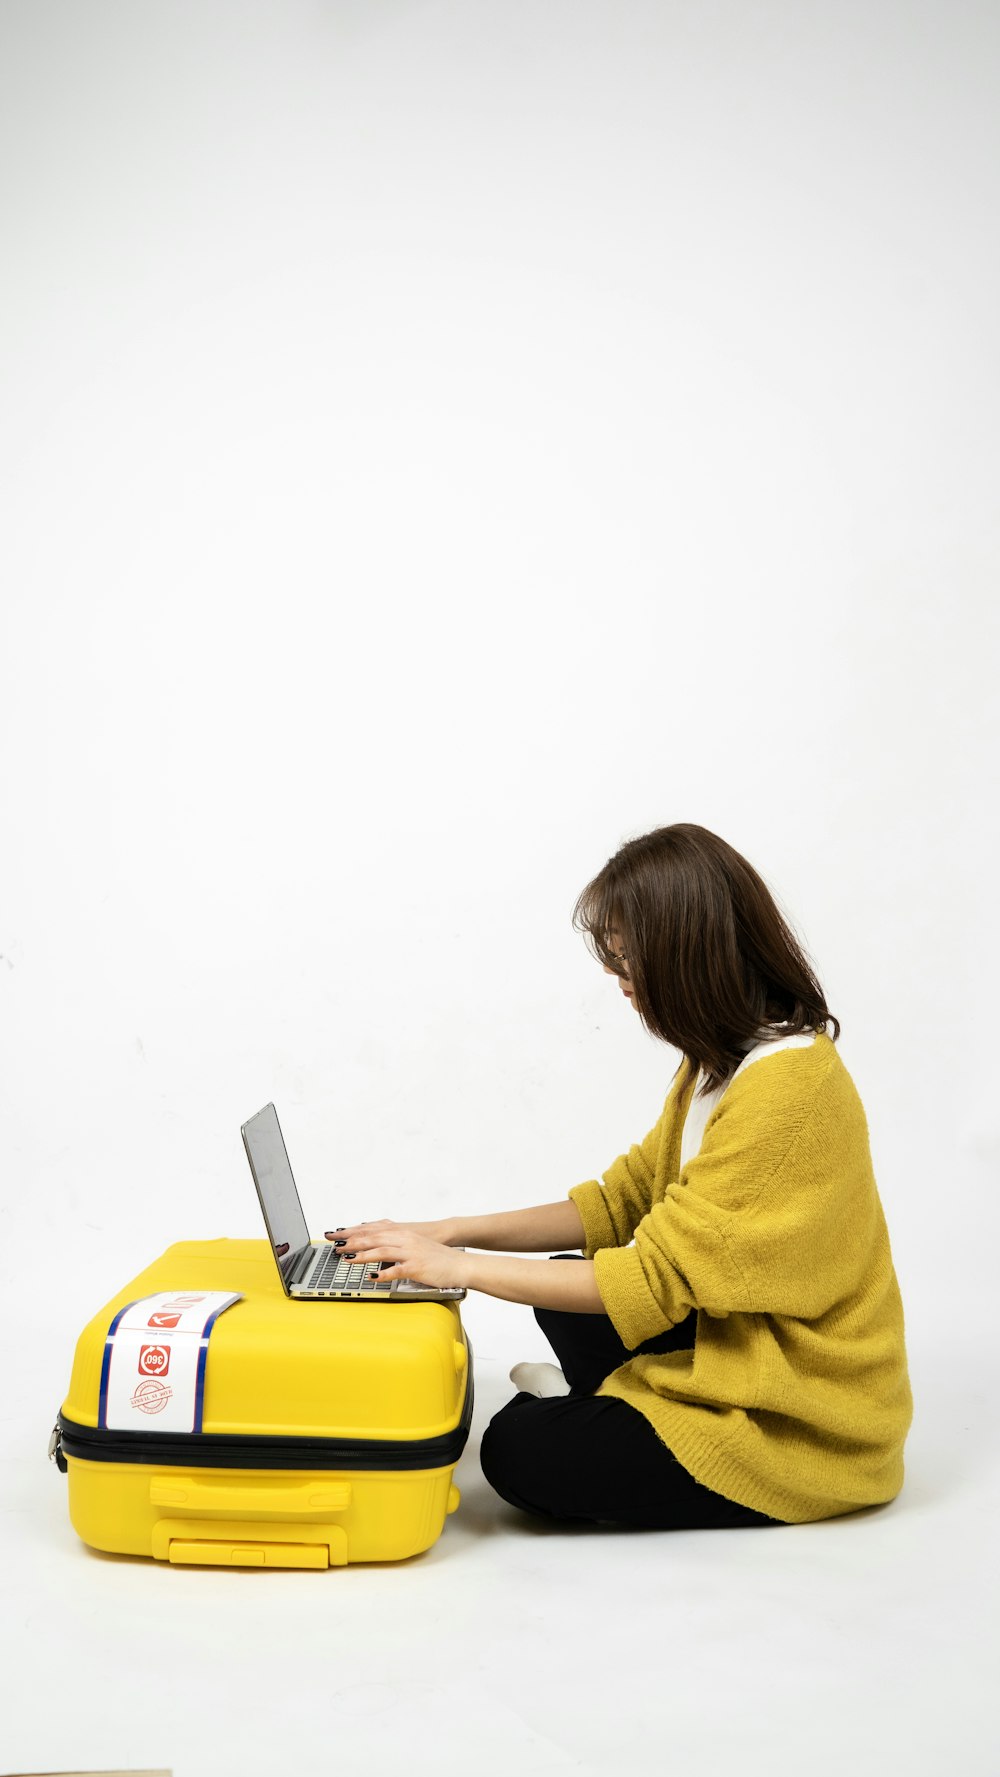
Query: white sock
(543, 1380)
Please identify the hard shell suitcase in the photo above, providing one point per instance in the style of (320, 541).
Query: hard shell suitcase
(329, 1430)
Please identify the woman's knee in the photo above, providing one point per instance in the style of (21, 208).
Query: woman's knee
(510, 1458)
(500, 1444)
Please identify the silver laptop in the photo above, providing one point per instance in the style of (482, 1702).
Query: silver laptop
(308, 1270)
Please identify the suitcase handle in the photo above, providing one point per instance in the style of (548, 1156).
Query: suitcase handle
(207, 1498)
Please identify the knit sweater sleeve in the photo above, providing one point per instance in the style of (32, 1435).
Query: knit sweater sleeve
(612, 1207)
(680, 1260)
(768, 1218)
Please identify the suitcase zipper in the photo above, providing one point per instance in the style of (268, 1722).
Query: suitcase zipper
(219, 1450)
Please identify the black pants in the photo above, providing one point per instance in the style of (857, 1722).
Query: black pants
(577, 1456)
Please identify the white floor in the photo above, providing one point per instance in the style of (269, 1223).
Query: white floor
(864, 1645)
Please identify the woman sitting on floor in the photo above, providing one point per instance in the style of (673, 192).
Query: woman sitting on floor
(731, 1342)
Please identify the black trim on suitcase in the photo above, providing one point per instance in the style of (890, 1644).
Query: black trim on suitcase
(219, 1450)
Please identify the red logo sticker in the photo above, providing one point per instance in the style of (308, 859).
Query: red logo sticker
(163, 1320)
(154, 1360)
(151, 1397)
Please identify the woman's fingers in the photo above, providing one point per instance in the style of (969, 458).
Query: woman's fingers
(403, 1251)
(367, 1247)
(344, 1236)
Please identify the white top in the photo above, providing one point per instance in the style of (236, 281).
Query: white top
(700, 1109)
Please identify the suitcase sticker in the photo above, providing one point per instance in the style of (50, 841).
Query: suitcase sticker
(134, 1368)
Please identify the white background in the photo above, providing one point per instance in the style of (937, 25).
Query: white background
(441, 442)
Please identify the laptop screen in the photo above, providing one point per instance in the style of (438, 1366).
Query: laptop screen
(272, 1175)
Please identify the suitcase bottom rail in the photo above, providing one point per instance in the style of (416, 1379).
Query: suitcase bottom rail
(194, 1543)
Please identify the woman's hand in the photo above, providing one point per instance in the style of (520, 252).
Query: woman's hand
(406, 1249)
(345, 1238)
(403, 1251)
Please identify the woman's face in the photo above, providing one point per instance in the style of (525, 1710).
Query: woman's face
(615, 944)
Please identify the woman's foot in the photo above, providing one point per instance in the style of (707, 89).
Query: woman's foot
(543, 1380)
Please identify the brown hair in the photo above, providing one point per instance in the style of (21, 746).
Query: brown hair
(711, 959)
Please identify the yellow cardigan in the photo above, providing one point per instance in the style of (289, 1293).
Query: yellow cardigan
(795, 1400)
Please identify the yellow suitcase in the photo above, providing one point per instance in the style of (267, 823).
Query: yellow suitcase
(329, 1430)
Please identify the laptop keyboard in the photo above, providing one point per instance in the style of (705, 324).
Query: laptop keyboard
(334, 1272)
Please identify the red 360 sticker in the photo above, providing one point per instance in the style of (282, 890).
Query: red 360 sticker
(154, 1360)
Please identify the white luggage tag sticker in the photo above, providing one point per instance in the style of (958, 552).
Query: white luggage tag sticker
(153, 1373)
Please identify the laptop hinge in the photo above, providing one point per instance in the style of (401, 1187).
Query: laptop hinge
(298, 1264)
